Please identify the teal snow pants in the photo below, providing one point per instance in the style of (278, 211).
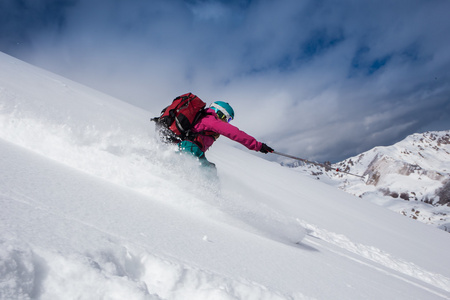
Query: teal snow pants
(193, 149)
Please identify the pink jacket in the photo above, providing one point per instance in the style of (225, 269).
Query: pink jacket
(211, 123)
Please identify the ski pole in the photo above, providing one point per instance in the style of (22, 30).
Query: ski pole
(327, 167)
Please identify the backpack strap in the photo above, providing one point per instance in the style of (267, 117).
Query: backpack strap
(194, 136)
(190, 135)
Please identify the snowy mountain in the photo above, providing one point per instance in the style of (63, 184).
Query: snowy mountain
(411, 177)
(94, 208)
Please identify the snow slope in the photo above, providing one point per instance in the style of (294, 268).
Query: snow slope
(94, 208)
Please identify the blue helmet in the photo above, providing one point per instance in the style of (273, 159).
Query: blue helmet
(223, 110)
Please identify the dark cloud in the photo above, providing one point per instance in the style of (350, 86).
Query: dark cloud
(320, 79)
(22, 20)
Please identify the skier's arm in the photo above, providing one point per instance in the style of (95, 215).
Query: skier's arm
(233, 133)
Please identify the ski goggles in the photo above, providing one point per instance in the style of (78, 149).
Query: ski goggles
(223, 117)
(221, 113)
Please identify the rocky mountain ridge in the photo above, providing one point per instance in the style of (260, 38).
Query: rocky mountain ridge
(421, 160)
(411, 177)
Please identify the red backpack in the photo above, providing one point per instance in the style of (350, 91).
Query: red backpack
(176, 120)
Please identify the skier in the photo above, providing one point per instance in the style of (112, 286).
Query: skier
(216, 122)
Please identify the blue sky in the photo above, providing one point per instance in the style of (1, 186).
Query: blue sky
(320, 79)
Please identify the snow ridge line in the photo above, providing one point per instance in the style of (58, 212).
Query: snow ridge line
(376, 255)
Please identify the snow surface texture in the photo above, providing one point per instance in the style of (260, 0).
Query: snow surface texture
(411, 177)
(94, 208)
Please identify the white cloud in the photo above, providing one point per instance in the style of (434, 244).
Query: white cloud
(304, 75)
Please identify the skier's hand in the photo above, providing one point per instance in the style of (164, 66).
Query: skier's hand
(265, 149)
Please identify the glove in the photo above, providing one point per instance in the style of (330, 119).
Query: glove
(265, 149)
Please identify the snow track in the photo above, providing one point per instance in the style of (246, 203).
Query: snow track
(379, 260)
